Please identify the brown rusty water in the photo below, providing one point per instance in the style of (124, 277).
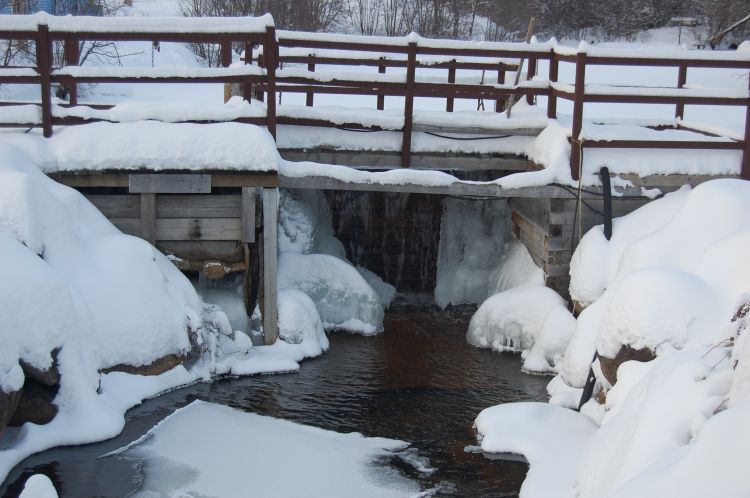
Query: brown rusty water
(418, 381)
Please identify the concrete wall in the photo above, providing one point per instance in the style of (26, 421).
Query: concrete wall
(549, 229)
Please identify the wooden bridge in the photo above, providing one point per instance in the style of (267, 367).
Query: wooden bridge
(227, 231)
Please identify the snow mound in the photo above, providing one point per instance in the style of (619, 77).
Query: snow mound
(530, 319)
(38, 486)
(342, 297)
(551, 438)
(299, 322)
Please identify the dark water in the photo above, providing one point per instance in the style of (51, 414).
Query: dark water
(418, 382)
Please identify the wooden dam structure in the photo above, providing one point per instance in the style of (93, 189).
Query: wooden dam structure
(218, 221)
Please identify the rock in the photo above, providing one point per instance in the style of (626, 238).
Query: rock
(49, 377)
(36, 404)
(8, 404)
(609, 365)
(156, 367)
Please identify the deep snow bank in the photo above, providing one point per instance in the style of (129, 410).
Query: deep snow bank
(78, 297)
(673, 280)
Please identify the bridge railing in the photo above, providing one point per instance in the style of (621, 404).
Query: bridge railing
(280, 50)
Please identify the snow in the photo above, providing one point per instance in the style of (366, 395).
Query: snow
(560, 436)
(38, 486)
(258, 453)
(672, 280)
(152, 145)
(136, 24)
(299, 322)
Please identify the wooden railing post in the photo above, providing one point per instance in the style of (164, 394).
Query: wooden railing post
(310, 67)
(44, 67)
(411, 66)
(554, 66)
(500, 103)
(226, 61)
(745, 171)
(259, 94)
(381, 97)
(269, 53)
(72, 54)
(451, 79)
(679, 111)
(247, 88)
(530, 76)
(580, 91)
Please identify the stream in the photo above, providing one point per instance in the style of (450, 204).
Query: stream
(418, 381)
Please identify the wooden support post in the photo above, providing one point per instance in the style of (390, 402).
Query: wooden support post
(500, 103)
(451, 79)
(580, 92)
(269, 54)
(44, 67)
(679, 110)
(247, 88)
(248, 214)
(148, 217)
(310, 95)
(381, 97)
(270, 243)
(530, 76)
(72, 54)
(411, 67)
(554, 66)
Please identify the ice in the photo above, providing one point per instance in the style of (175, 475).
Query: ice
(343, 298)
(473, 235)
(262, 456)
(299, 322)
(38, 486)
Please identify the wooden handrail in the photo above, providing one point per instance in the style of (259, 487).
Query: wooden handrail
(413, 53)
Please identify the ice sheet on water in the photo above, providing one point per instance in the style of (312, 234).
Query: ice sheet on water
(238, 454)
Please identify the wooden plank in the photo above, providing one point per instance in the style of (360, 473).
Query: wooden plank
(148, 217)
(130, 226)
(238, 179)
(226, 251)
(199, 206)
(169, 183)
(270, 248)
(198, 229)
(248, 214)
(117, 206)
(91, 179)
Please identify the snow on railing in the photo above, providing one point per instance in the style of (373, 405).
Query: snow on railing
(263, 74)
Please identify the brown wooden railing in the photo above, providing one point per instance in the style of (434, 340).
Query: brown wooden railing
(267, 73)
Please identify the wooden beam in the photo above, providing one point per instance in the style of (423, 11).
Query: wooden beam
(239, 179)
(270, 248)
(198, 228)
(148, 217)
(169, 183)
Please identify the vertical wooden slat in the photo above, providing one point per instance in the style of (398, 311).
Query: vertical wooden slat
(226, 61)
(248, 214)
(259, 94)
(500, 103)
(554, 66)
(679, 110)
(247, 88)
(411, 66)
(530, 76)
(310, 95)
(270, 291)
(451, 79)
(381, 97)
(44, 66)
(148, 217)
(575, 147)
(269, 52)
(72, 54)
